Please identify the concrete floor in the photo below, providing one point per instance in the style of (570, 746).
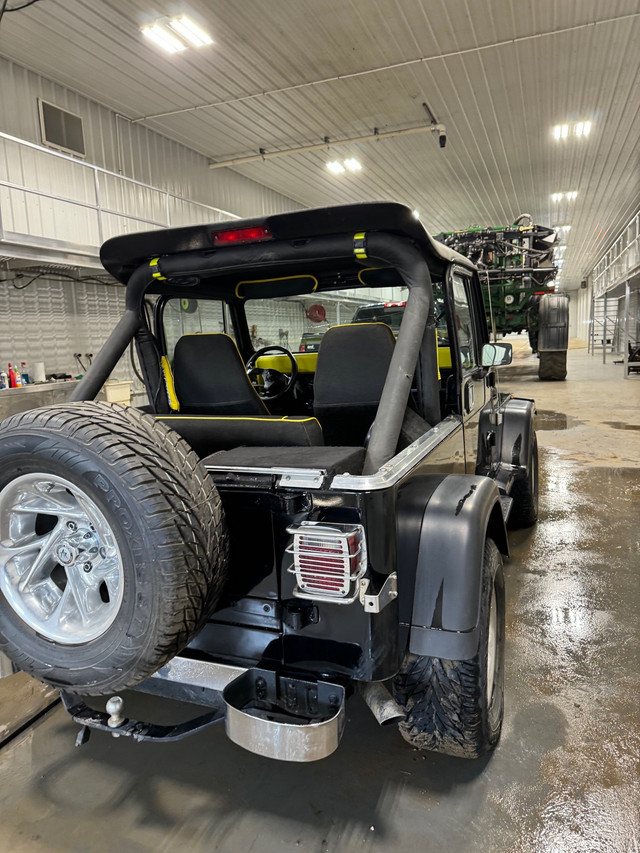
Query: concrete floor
(564, 777)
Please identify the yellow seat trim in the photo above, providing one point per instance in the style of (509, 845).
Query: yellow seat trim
(285, 418)
(174, 403)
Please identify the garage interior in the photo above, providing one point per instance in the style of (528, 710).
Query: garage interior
(471, 114)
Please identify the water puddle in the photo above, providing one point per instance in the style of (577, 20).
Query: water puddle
(620, 425)
(548, 420)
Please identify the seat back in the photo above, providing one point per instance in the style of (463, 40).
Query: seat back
(353, 362)
(210, 377)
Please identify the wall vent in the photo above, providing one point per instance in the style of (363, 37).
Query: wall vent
(61, 129)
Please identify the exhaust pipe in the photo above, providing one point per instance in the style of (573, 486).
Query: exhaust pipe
(382, 704)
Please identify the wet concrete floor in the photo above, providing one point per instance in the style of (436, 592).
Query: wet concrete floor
(564, 777)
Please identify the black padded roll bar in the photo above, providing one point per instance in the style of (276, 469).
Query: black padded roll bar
(386, 249)
(418, 313)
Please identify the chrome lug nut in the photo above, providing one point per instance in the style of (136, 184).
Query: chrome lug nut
(87, 567)
(72, 525)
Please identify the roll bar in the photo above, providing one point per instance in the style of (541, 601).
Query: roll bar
(382, 248)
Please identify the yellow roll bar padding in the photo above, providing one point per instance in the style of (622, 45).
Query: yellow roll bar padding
(174, 403)
(153, 263)
(360, 245)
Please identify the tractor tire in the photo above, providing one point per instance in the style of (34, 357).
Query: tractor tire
(524, 511)
(113, 545)
(456, 707)
(553, 366)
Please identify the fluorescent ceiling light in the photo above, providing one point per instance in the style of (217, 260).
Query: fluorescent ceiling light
(583, 128)
(572, 196)
(561, 131)
(556, 197)
(335, 167)
(190, 31)
(353, 165)
(162, 38)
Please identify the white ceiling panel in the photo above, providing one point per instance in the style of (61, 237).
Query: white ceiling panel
(286, 73)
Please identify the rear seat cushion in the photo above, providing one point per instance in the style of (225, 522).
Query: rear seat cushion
(207, 434)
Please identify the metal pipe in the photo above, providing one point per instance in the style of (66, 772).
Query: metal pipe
(627, 298)
(381, 703)
(417, 314)
(319, 146)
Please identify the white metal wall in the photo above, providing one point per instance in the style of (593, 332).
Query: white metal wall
(144, 155)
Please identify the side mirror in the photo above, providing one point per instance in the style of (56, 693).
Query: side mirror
(494, 355)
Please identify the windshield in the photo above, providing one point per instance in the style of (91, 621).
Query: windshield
(299, 322)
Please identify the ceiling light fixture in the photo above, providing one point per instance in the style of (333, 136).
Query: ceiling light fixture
(352, 164)
(162, 38)
(570, 196)
(190, 31)
(580, 128)
(336, 167)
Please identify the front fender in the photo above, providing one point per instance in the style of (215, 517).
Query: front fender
(459, 515)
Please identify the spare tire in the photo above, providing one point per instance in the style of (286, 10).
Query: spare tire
(113, 545)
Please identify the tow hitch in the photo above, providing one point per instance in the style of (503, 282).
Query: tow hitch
(290, 719)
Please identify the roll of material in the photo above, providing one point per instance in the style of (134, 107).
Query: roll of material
(38, 372)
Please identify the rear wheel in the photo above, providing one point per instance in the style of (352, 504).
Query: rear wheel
(113, 546)
(553, 365)
(456, 707)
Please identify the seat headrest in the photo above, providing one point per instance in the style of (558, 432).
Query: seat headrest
(353, 362)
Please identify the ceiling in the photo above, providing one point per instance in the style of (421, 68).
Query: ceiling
(499, 74)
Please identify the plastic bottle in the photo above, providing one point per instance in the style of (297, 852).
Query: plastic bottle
(24, 373)
(12, 377)
(4, 380)
(18, 380)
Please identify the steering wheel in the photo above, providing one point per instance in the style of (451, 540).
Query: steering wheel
(275, 384)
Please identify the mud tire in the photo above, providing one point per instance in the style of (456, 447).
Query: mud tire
(446, 702)
(553, 366)
(165, 515)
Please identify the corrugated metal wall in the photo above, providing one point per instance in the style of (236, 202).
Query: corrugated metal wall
(144, 155)
(51, 319)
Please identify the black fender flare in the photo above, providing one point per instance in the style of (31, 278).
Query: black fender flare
(507, 457)
(460, 512)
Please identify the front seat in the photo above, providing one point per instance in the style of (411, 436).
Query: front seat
(353, 362)
(215, 406)
(210, 378)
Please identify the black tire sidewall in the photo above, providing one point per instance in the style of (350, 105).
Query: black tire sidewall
(493, 578)
(34, 452)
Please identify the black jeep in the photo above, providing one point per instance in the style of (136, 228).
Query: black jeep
(273, 532)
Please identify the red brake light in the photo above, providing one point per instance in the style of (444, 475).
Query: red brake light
(328, 560)
(255, 234)
(394, 304)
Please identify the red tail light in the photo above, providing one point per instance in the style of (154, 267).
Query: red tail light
(235, 236)
(328, 560)
(394, 304)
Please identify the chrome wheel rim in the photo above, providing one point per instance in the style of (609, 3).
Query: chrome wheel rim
(60, 565)
(492, 645)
